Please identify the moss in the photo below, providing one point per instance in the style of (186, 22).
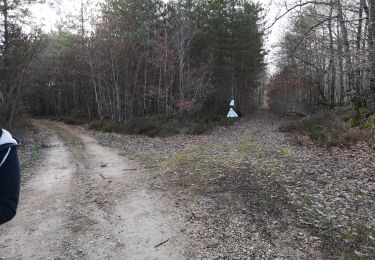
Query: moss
(198, 157)
(355, 121)
(285, 150)
(246, 146)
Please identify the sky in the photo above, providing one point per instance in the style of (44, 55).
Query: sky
(48, 15)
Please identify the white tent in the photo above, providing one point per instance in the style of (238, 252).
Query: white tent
(232, 113)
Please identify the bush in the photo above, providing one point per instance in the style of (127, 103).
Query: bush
(74, 121)
(370, 122)
(154, 127)
(361, 136)
(207, 125)
(198, 129)
(325, 129)
(148, 127)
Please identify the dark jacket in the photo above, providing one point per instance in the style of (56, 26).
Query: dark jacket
(9, 177)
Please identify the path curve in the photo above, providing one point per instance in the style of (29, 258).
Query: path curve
(88, 202)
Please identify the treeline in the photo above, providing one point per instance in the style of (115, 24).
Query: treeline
(138, 58)
(327, 57)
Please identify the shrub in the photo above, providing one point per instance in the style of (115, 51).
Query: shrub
(198, 129)
(321, 128)
(148, 127)
(74, 120)
(207, 125)
(370, 122)
(163, 127)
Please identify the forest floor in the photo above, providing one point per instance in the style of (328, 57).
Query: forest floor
(242, 192)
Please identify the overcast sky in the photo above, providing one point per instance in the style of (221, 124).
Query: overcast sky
(48, 16)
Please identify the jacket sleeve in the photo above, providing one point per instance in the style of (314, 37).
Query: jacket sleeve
(9, 185)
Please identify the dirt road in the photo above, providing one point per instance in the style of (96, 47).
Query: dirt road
(86, 201)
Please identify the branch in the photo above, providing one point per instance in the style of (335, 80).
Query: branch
(308, 63)
(311, 29)
(289, 9)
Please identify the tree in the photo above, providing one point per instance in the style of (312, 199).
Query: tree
(306, 49)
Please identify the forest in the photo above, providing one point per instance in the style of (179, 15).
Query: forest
(140, 58)
(126, 151)
(147, 58)
(326, 58)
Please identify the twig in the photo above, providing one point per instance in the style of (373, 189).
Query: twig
(162, 243)
(109, 183)
(102, 176)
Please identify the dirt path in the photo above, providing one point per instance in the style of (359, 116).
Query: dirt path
(88, 202)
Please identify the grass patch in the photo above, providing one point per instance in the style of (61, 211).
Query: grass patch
(32, 158)
(68, 137)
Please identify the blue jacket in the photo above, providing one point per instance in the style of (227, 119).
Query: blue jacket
(9, 177)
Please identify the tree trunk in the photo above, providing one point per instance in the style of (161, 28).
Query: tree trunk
(332, 59)
(96, 92)
(341, 67)
(358, 48)
(347, 52)
(6, 26)
(371, 37)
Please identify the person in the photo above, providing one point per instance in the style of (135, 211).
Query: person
(9, 176)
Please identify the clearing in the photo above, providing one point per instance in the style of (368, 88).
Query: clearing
(243, 192)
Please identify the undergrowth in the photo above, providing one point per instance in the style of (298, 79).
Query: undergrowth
(325, 129)
(153, 127)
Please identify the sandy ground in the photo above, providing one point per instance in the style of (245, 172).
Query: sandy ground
(86, 201)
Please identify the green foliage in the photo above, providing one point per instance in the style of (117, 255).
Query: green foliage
(370, 122)
(355, 121)
(227, 31)
(360, 114)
